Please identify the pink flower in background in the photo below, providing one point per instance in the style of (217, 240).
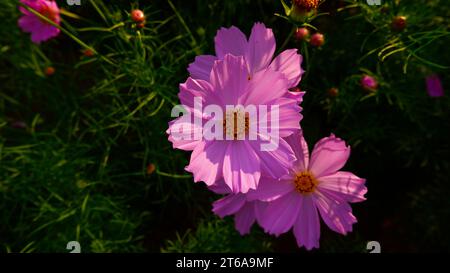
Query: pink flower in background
(369, 83)
(245, 212)
(40, 30)
(258, 52)
(239, 162)
(434, 86)
(314, 186)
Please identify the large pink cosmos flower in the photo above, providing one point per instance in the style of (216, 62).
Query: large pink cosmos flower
(313, 186)
(258, 52)
(245, 212)
(40, 30)
(239, 162)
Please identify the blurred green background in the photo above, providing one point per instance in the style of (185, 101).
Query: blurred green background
(77, 148)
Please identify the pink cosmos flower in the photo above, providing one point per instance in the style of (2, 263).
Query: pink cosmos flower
(258, 52)
(434, 86)
(245, 212)
(40, 30)
(239, 162)
(369, 83)
(313, 186)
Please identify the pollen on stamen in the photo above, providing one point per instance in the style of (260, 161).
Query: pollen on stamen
(238, 131)
(305, 182)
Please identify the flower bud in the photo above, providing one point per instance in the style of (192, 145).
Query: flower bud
(333, 92)
(301, 33)
(137, 16)
(317, 40)
(49, 70)
(369, 83)
(398, 23)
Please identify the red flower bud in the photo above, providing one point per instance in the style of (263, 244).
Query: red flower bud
(301, 33)
(137, 16)
(333, 92)
(398, 23)
(50, 70)
(88, 52)
(317, 40)
(151, 168)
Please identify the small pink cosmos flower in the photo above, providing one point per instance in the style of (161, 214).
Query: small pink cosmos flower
(239, 162)
(313, 186)
(258, 52)
(40, 30)
(369, 83)
(245, 212)
(434, 86)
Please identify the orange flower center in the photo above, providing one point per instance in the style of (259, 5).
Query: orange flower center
(49, 13)
(307, 4)
(305, 182)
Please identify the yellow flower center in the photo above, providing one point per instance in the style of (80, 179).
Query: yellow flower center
(305, 182)
(236, 124)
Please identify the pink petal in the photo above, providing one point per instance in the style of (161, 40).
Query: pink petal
(220, 187)
(307, 227)
(329, 155)
(275, 163)
(201, 67)
(229, 79)
(345, 185)
(192, 89)
(281, 214)
(241, 167)
(207, 161)
(434, 86)
(300, 147)
(245, 218)
(182, 133)
(53, 6)
(43, 33)
(298, 96)
(230, 40)
(289, 116)
(270, 189)
(337, 216)
(36, 5)
(228, 205)
(260, 209)
(265, 87)
(261, 47)
(29, 23)
(289, 63)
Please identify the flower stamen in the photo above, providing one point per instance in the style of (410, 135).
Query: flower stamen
(238, 131)
(305, 182)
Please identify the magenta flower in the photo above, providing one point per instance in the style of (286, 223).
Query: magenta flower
(245, 212)
(258, 52)
(313, 186)
(369, 83)
(434, 86)
(239, 162)
(40, 30)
